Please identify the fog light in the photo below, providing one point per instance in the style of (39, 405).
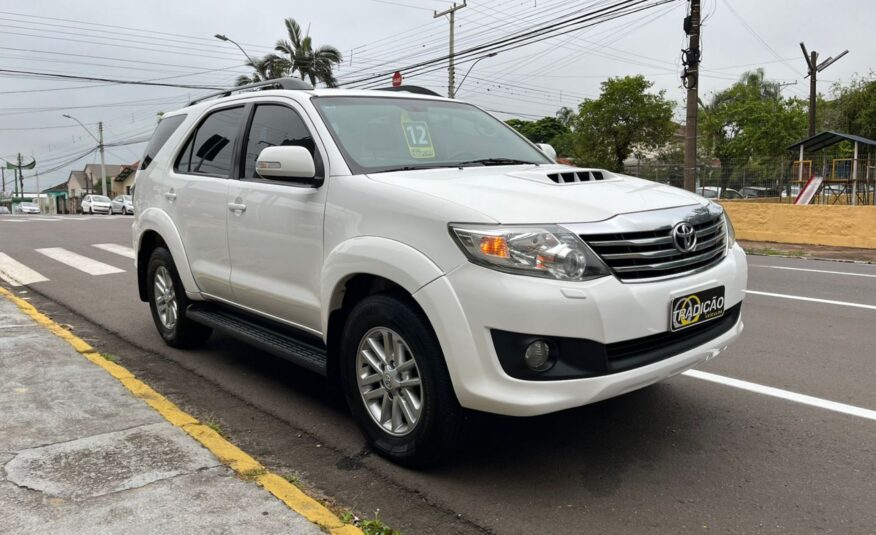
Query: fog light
(537, 355)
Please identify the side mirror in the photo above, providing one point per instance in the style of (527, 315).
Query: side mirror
(282, 162)
(548, 151)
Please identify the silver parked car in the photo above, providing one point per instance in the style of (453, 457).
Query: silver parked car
(122, 205)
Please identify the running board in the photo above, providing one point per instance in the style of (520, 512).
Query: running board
(263, 334)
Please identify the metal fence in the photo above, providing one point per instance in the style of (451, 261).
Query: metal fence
(771, 179)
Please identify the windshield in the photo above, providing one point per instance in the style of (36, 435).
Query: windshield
(100, 198)
(378, 134)
(126, 198)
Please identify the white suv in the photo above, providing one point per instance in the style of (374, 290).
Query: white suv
(427, 255)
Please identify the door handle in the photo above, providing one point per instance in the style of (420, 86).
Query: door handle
(237, 208)
(170, 196)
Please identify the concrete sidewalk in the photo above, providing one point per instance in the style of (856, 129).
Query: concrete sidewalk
(80, 454)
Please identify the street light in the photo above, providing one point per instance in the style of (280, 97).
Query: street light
(99, 140)
(223, 37)
(472, 66)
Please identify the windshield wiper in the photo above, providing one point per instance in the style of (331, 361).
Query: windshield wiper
(496, 161)
(411, 168)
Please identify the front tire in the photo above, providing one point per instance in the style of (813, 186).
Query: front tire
(168, 302)
(396, 382)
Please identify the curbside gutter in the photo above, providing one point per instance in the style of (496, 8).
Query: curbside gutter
(245, 466)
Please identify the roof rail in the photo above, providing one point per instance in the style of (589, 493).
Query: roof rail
(410, 89)
(277, 83)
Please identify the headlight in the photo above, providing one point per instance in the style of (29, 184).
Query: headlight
(731, 232)
(544, 251)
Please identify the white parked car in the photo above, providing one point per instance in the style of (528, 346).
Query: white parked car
(96, 204)
(29, 208)
(426, 254)
(122, 204)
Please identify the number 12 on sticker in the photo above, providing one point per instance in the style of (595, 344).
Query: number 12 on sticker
(418, 139)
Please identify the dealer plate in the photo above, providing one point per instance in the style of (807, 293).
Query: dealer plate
(698, 307)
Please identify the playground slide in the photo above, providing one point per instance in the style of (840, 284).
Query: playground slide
(808, 192)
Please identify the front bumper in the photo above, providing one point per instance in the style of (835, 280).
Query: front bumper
(469, 303)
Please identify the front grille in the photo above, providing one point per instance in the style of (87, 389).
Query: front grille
(644, 255)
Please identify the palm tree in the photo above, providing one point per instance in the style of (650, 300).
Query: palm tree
(269, 67)
(310, 63)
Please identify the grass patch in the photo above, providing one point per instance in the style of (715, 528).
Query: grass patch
(211, 422)
(369, 526)
(252, 475)
(768, 251)
(111, 358)
(293, 478)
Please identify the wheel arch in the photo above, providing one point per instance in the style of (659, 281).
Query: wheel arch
(154, 228)
(367, 266)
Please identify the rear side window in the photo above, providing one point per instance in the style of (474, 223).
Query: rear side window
(274, 125)
(163, 131)
(210, 150)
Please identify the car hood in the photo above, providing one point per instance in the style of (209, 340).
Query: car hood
(526, 194)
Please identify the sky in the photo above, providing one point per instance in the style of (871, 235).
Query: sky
(172, 42)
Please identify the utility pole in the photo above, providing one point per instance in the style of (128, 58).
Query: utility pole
(690, 80)
(814, 68)
(451, 71)
(20, 177)
(99, 140)
(102, 162)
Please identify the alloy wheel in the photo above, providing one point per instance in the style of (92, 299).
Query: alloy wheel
(165, 298)
(389, 381)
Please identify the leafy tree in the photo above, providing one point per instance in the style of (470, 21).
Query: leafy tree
(549, 130)
(750, 121)
(543, 130)
(854, 109)
(625, 117)
(309, 63)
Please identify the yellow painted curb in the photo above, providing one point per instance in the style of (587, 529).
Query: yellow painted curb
(242, 463)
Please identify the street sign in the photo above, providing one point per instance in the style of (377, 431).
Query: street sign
(396, 79)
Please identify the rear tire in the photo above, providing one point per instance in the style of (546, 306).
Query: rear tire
(168, 303)
(395, 389)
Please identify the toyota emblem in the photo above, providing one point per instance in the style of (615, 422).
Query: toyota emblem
(684, 237)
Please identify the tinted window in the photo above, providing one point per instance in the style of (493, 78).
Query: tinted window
(274, 125)
(210, 150)
(162, 132)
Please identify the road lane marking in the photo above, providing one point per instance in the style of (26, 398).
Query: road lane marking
(17, 274)
(116, 248)
(77, 261)
(815, 270)
(813, 299)
(784, 394)
(14, 220)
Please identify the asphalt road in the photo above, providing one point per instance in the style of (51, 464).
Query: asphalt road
(686, 455)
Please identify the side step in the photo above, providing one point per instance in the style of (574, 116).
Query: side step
(263, 334)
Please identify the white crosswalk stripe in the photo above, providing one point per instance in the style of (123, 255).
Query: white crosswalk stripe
(116, 248)
(77, 261)
(17, 274)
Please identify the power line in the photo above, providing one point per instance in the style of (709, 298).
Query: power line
(114, 81)
(516, 41)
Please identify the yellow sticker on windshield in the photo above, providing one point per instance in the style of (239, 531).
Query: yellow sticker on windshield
(418, 138)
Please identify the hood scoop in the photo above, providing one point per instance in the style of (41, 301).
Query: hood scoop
(575, 176)
(568, 176)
